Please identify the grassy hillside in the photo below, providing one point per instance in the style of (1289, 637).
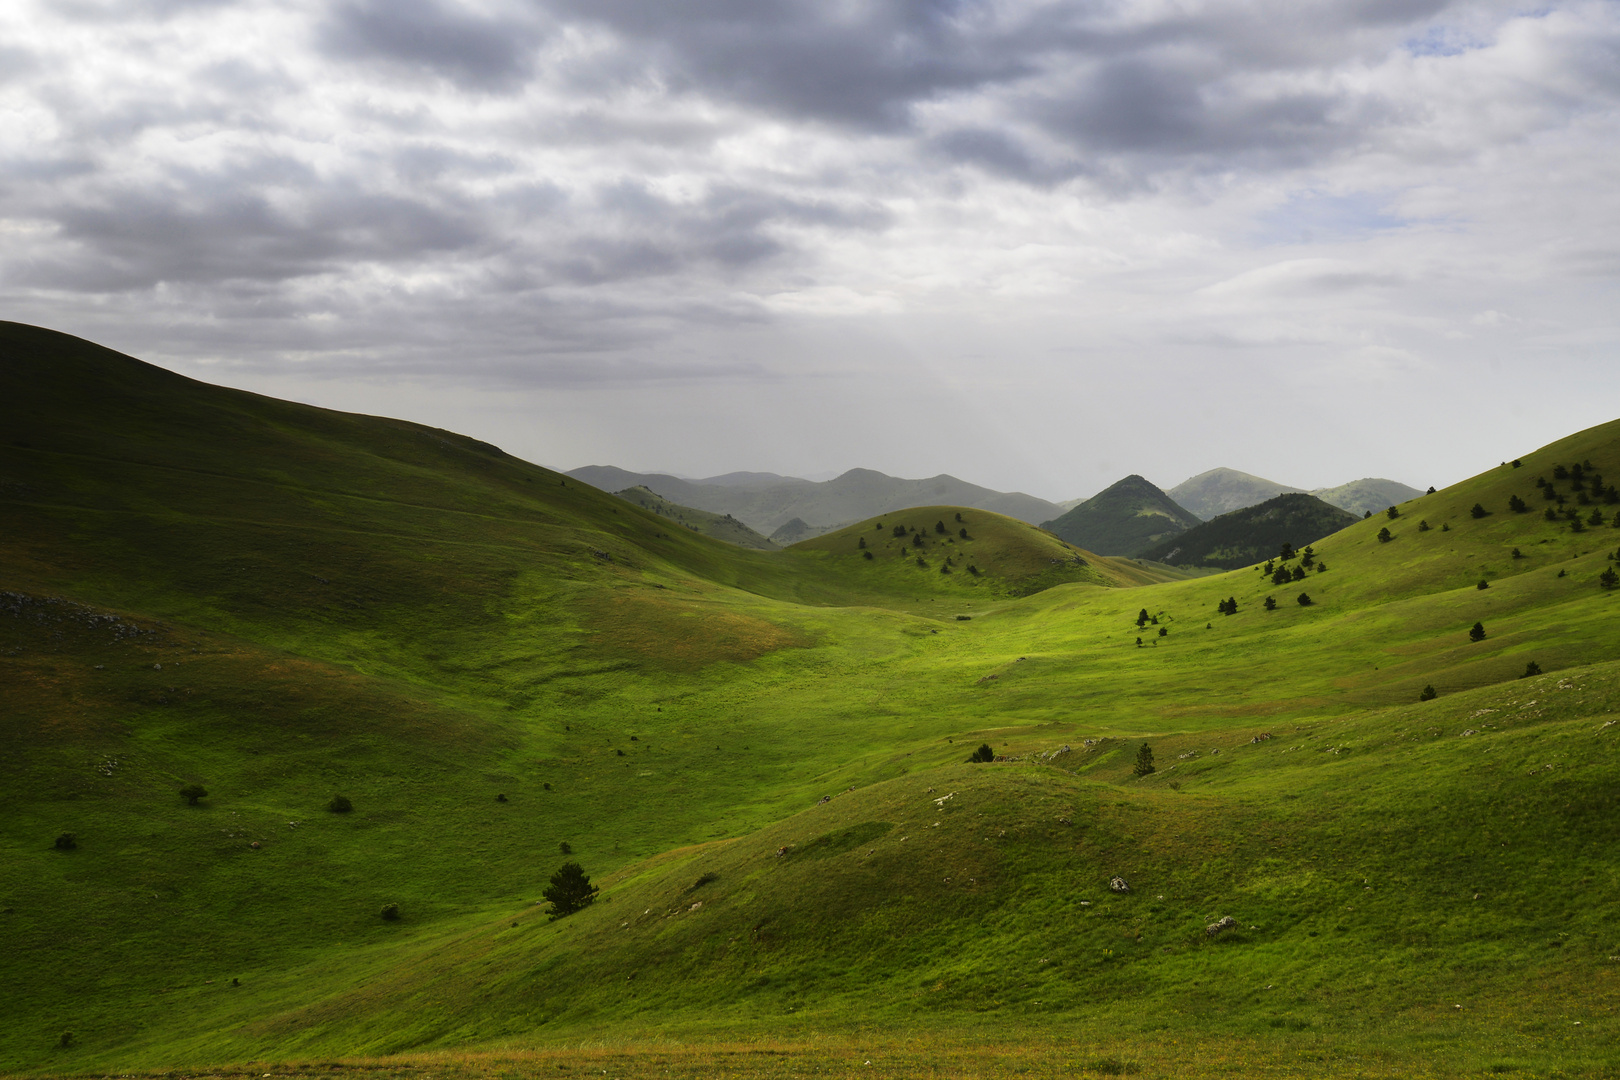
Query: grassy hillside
(1221, 491)
(760, 756)
(1253, 534)
(719, 526)
(1126, 519)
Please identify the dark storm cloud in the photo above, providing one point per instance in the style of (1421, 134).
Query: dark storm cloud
(472, 51)
(859, 64)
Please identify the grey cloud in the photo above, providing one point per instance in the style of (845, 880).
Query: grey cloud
(471, 51)
(861, 65)
(122, 10)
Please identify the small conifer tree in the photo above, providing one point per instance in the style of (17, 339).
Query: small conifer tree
(1517, 505)
(983, 753)
(1299, 573)
(1517, 554)
(1530, 670)
(1144, 761)
(570, 890)
(1550, 514)
(1271, 603)
(1609, 579)
(1478, 511)
(193, 792)
(1384, 535)
(1142, 617)
(1423, 526)
(1428, 693)
(1483, 584)
(1305, 599)
(939, 527)
(1392, 513)
(340, 804)
(1367, 515)
(1476, 632)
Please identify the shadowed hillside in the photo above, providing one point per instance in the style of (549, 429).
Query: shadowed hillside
(1126, 519)
(1253, 534)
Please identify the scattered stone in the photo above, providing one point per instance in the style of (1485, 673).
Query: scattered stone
(1260, 738)
(1226, 923)
(1118, 884)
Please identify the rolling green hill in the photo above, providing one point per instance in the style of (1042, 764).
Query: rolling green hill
(760, 758)
(719, 526)
(1253, 534)
(1126, 519)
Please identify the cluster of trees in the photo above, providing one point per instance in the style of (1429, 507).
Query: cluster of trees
(1228, 606)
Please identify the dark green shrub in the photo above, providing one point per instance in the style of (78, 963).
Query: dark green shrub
(1477, 511)
(1477, 632)
(1483, 584)
(1517, 505)
(570, 890)
(1516, 464)
(939, 527)
(899, 530)
(917, 540)
(958, 515)
(1305, 600)
(861, 545)
(66, 842)
(66, 1039)
(390, 912)
(1384, 535)
(565, 848)
(1271, 603)
(340, 804)
(1299, 573)
(193, 792)
(866, 554)
(1517, 554)
(1423, 526)
(1428, 693)
(1609, 579)
(1321, 568)
(983, 753)
(1164, 631)
(1530, 669)
(1550, 514)
(963, 534)
(1392, 513)
(1144, 761)
(1142, 617)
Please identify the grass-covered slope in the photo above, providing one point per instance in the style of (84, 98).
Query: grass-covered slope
(1221, 491)
(1126, 519)
(719, 526)
(282, 604)
(1254, 533)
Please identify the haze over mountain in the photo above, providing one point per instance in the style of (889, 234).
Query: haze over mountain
(1127, 518)
(1220, 491)
(1369, 495)
(766, 502)
(720, 526)
(1254, 533)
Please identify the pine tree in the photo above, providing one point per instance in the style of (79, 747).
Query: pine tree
(570, 890)
(1271, 604)
(982, 754)
(1477, 632)
(1517, 505)
(1305, 599)
(1144, 761)
(1428, 693)
(1392, 513)
(1299, 573)
(1142, 617)
(1531, 670)
(1609, 579)
(1478, 511)
(1384, 535)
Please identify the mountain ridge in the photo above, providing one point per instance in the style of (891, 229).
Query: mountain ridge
(1126, 518)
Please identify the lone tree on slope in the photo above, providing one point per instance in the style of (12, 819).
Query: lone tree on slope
(1477, 632)
(570, 890)
(1144, 761)
(192, 792)
(983, 753)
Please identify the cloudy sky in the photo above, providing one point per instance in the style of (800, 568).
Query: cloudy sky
(1034, 244)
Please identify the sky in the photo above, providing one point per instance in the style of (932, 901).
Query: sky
(1036, 245)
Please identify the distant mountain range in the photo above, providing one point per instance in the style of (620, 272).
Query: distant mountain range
(765, 502)
(1221, 491)
(1253, 533)
(1126, 519)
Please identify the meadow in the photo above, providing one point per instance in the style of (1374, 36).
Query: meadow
(760, 758)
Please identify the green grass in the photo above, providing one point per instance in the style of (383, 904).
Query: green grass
(283, 604)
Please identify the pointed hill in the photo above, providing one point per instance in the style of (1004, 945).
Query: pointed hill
(766, 502)
(1370, 495)
(1126, 519)
(1254, 533)
(719, 526)
(1220, 491)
